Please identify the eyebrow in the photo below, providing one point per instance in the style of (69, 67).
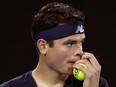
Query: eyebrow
(74, 41)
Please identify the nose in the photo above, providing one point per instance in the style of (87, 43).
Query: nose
(78, 51)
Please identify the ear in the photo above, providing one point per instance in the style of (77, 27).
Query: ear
(42, 46)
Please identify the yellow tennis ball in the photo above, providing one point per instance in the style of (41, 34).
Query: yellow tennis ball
(78, 74)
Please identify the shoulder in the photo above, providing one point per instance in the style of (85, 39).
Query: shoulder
(18, 81)
(103, 82)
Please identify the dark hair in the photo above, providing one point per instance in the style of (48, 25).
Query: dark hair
(53, 14)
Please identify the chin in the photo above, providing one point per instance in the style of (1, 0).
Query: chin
(69, 71)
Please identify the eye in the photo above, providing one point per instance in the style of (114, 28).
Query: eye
(70, 43)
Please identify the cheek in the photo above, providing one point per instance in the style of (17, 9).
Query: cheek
(65, 52)
(58, 54)
(57, 58)
(61, 54)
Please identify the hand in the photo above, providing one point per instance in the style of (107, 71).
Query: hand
(92, 71)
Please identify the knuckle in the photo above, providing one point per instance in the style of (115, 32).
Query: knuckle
(91, 75)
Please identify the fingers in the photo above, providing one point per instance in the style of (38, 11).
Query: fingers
(93, 67)
(92, 60)
(87, 63)
(93, 70)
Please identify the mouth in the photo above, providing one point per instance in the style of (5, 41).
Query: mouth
(72, 61)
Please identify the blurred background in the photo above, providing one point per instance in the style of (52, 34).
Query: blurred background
(17, 51)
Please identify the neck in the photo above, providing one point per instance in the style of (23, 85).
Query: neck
(47, 77)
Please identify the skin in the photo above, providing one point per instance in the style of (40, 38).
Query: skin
(56, 63)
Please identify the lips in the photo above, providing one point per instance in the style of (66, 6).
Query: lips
(73, 60)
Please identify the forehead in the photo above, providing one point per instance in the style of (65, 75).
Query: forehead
(76, 37)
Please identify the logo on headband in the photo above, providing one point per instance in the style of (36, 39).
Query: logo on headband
(80, 29)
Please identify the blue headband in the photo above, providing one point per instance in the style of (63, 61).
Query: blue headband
(60, 31)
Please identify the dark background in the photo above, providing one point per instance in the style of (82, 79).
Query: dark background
(17, 52)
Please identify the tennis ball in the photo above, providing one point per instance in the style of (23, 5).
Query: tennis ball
(78, 74)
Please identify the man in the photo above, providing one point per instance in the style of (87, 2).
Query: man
(58, 31)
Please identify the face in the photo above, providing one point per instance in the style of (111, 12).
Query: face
(65, 53)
